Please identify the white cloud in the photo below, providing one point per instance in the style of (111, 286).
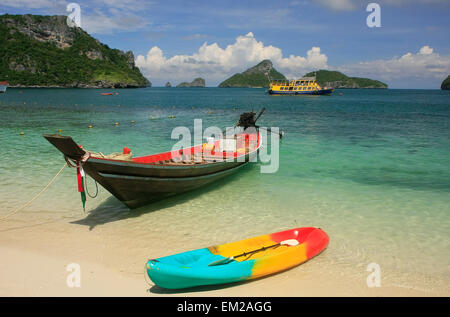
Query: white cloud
(112, 21)
(216, 64)
(97, 16)
(338, 5)
(426, 67)
(426, 50)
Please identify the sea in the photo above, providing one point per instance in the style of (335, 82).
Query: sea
(370, 167)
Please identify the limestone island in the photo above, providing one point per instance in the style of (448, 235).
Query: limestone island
(336, 79)
(43, 51)
(254, 77)
(259, 76)
(197, 82)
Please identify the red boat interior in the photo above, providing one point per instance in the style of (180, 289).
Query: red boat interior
(245, 143)
(315, 238)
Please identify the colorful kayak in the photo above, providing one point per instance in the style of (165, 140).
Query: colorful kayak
(238, 261)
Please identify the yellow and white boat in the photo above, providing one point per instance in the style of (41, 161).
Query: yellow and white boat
(302, 86)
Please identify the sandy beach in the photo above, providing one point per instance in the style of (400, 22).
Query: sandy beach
(35, 258)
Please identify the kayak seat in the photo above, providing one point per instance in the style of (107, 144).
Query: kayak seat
(200, 257)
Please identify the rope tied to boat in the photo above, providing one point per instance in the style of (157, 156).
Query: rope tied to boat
(79, 164)
(35, 197)
(81, 176)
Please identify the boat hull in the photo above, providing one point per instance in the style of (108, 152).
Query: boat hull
(190, 269)
(137, 183)
(290, 92)
(136, 186)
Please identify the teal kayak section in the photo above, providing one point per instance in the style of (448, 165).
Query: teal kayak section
(189, 269)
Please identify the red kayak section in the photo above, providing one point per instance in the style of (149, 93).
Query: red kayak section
(315, 239)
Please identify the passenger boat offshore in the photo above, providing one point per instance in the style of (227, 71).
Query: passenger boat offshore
(137, 181)
(302, 86)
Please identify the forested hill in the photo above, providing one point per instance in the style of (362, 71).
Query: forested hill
(339, 80)
(43, 51)
(446, 84)
(256, 76)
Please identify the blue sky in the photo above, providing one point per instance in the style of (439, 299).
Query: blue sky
(180, 40)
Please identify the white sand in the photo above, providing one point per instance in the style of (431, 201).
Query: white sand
(34, 260)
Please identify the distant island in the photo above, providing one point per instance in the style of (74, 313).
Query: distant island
(254, 77)
(334, 79)
(446, 84)
(43, 51)
(168, 84)
(258, 77)
(197, 82)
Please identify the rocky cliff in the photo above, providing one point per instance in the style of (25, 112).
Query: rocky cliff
(43, 51)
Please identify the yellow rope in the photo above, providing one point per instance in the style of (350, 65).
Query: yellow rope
(35, 197)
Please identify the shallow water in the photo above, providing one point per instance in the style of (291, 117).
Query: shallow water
(370, 167)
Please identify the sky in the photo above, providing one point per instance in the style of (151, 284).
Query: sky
(180, 40)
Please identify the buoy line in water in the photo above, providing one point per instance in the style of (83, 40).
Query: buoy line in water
(35, 197)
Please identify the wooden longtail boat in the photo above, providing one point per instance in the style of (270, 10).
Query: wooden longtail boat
(142, 180)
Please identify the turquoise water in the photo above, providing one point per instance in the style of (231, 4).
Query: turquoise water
(370, 167)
